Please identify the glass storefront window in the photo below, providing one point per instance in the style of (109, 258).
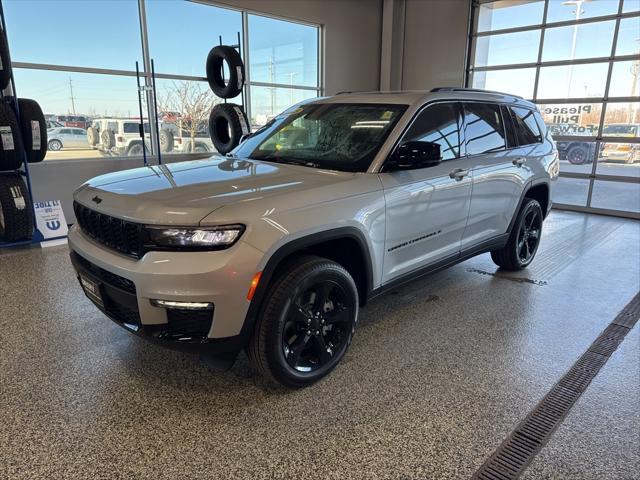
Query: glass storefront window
(589, 40)
(509, 14)
(181, 47)
(587, 93)
(283, 52)
(616, 196)
(506, 49)
(76, 33)
(625, 81)
(107, 98)
(573, 81)
(571, 191)
(571, 118)
(561, 10)
(628, 37)
(519, 81)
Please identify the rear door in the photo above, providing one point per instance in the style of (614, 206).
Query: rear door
(427, 208)
(493, 152)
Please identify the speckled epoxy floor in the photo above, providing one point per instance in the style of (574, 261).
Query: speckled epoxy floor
(439, 373)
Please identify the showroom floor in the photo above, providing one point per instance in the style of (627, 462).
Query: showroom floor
(438, 375)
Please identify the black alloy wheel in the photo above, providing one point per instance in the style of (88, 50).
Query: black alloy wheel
(317, 326)
(306, 322)
(529, 235)
(523, 242)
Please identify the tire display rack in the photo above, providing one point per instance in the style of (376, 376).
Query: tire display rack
(22, 172)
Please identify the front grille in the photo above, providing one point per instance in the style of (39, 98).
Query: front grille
(189, 323)
(121, 235)
(104, 275)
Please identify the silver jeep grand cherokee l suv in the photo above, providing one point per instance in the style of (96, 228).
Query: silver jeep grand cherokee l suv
(273, 248)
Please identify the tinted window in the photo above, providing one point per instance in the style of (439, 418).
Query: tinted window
(509, 127)
(439, 123)
(484, 131)
(527, 130)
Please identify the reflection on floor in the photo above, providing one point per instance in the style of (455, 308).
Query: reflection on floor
(439, 372)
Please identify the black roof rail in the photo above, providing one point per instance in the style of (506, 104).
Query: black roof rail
(476, 90)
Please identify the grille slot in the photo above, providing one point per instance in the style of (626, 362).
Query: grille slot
(120, 235)
(106, 276)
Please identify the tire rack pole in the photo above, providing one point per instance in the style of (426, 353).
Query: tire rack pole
(243, 93)
(155, 105)
(36, 236)
(144, 145)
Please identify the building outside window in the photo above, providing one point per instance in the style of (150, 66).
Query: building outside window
(78, 60)
(579, 60)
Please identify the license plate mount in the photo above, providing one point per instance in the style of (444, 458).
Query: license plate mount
(92, 290)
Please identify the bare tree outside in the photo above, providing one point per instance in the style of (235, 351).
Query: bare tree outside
(192, 101)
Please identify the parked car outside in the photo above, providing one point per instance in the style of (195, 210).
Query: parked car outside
(275, 247)
(118, 136)
(621, 152)
(65, 138)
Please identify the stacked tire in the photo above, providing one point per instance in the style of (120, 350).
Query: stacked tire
(228, 122)
(22, 137)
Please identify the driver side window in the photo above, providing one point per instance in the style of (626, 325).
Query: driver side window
(439, 123)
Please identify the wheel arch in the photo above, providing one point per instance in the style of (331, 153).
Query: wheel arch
(345, 245)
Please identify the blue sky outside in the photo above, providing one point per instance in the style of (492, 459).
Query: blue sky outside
(106, 34)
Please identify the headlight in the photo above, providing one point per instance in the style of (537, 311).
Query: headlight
(204, 238)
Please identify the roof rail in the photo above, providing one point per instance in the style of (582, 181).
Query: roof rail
(476, 90)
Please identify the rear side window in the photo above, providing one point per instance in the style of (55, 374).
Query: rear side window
(484, 131)
(509, 127)
(131, 128)
(439, 123)
(527, 130)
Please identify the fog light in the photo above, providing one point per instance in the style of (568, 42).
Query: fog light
(182, 305)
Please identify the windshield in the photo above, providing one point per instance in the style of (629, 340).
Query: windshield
(335, 136)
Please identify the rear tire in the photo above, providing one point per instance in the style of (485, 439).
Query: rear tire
(577, 155)
(306, 323)
(522, 246)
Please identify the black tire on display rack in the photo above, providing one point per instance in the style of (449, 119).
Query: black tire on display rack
(33, 127)
(227, 125)
(11, 147)
(5, 63)
(216, 59)
(16, 216)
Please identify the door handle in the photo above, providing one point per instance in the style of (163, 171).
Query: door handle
(518, 162)
(458, 174)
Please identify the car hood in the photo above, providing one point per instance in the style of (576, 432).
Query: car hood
(184, 193)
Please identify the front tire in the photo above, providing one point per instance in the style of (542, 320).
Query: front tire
(524, 240)
(306, 324)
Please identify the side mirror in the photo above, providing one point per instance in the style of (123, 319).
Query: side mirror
(415, 154)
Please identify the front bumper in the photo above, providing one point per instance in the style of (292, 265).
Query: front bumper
(128, 286)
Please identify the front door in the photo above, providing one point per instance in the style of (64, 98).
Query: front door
(427, 208)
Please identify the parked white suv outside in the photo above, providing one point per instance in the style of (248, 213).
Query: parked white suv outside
(118, 136)
(274, 248)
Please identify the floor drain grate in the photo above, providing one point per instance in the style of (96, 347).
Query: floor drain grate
(523, 444)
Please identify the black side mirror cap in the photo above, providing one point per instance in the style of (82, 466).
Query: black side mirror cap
(414, 154)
